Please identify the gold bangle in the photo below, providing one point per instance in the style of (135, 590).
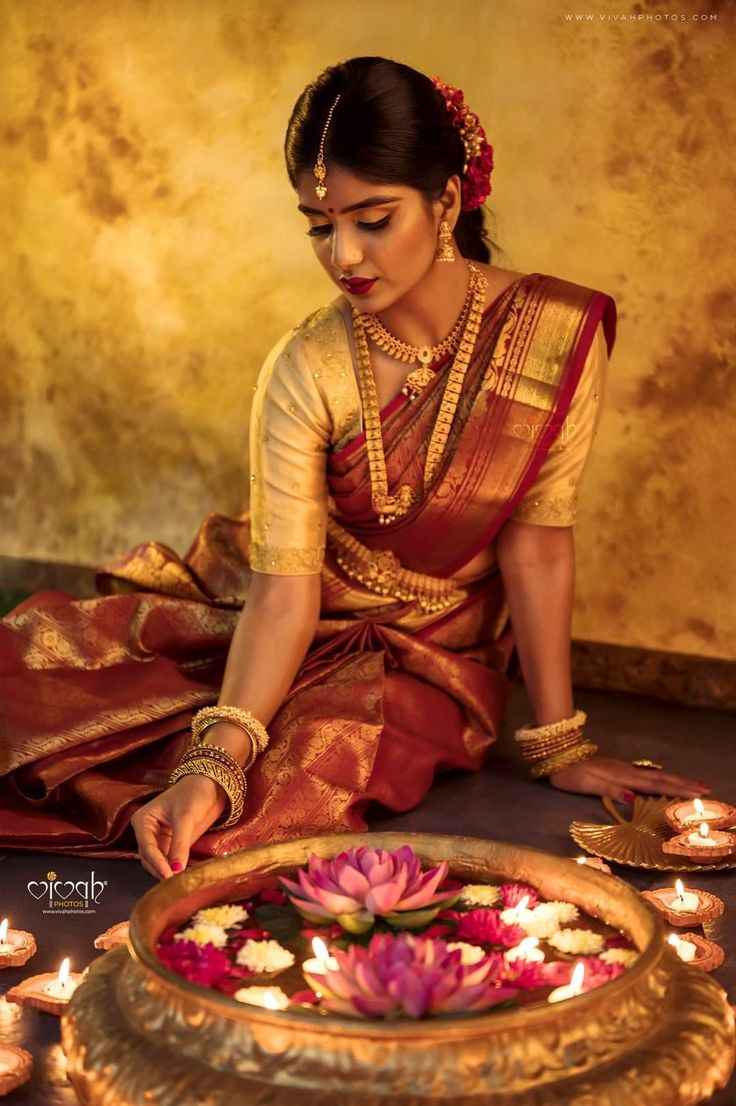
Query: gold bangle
(551, 729)
(255, 730)
(552, 745)
(233, 787)
(556, 763)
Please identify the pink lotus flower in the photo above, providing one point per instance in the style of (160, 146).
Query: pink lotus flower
(484, 927)
(404, 975)
(362, 884)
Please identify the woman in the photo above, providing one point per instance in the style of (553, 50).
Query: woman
(416, 448)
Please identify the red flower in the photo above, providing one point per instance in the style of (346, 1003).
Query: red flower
(274, 895)
(484, 927)
(303, 998)
(202, 964)
(513, 893)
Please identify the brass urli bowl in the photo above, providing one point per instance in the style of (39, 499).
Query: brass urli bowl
(134, 1032)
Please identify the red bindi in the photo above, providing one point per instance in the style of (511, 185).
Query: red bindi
(331, 210)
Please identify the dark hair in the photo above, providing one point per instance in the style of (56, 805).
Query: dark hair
(390, 126)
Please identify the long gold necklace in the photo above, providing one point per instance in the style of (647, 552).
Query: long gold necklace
(391, 507)
(425, 355)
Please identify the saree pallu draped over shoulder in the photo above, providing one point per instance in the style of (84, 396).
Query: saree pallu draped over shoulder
(408, 666)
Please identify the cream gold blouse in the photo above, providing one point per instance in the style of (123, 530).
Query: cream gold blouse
(307, 402)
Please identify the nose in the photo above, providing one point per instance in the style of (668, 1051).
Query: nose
(346, 251)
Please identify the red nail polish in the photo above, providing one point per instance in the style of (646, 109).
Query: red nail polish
(628, 796)
(176, 866)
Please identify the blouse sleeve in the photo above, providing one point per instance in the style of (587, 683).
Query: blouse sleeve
(553, 497)
(289, 436)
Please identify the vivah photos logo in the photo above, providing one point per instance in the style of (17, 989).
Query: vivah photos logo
(67, 896)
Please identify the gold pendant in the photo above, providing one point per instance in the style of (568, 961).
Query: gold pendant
(425, 355)
(390, 507)
(416, 380)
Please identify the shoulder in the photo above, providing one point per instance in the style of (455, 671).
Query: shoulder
(592, 310)
(311, 340)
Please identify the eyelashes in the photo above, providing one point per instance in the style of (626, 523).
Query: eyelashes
(325, 228)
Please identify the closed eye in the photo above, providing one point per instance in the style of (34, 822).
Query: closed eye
(325, 228)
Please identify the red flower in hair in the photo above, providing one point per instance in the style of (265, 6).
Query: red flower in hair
(476, 181)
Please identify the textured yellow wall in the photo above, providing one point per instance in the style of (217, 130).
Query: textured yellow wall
(151, 254)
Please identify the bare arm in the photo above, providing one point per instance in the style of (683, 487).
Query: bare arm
(273, 633)
(538, 568)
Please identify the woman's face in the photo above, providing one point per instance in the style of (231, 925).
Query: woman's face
(362, 231)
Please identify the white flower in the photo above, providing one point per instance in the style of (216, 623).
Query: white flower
(540, 922)
(619, 956)
(469, 954)
(264, 956)
(579, 942)
(256, 996)
(480, 894)
(225, 915)
(203, 934)
(564, 912)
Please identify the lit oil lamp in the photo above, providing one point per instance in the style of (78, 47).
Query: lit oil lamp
(683, 814)
(16, 946)
(593, 862)
(527, 949)
(515, 915)
(685, 908)
(315, 967)
(571, 989)
(270, 998)
(16, 1066)
(698, 951)
(50, 992)
(701, 844)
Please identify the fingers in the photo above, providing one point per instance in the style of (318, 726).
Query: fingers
(153, 860)
(667, 783)
(180, 844)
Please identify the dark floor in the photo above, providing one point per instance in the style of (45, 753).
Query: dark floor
(499, 803)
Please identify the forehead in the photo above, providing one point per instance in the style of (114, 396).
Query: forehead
(345, 188)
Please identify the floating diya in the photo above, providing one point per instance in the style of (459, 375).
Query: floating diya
(684, 814)
(270, 998)
(684, 907)
(701, 844)
(49, 991)
(315, 967)
(574, 987)
(698, 951)
(16, 1066)
(16, 946)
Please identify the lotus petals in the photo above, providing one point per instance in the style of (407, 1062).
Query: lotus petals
(361, 884)
(410, 976)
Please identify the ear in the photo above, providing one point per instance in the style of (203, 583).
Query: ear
(449, 205)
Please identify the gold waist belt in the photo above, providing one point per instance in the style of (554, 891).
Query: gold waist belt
(381, 571)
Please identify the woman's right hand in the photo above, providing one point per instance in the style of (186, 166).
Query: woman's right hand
(168, 825)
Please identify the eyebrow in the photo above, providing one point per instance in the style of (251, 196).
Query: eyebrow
(372, 201)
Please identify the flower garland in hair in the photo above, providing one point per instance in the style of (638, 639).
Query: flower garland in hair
(478, 150)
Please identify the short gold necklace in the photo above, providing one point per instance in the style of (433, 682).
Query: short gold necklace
(391, 507)
(425, 355)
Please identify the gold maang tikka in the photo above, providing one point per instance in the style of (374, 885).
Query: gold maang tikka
(320, 169)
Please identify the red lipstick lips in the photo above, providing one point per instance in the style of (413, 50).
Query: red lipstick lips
(357, 286)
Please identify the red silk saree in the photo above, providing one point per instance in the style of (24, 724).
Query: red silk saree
(408, 666)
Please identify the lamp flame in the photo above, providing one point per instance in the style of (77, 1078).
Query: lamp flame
(522, 903)
(679, 889)
(578, 975)
(63, 976)
(699, 808)
(320, 949)
(704, 829)
(673, 940)
(3, 930)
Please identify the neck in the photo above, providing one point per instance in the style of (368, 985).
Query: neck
(429, 310)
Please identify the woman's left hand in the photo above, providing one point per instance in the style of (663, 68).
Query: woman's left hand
(621, 779)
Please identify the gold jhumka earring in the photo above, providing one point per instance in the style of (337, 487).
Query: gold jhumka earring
(320, 169)
(445, 251)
